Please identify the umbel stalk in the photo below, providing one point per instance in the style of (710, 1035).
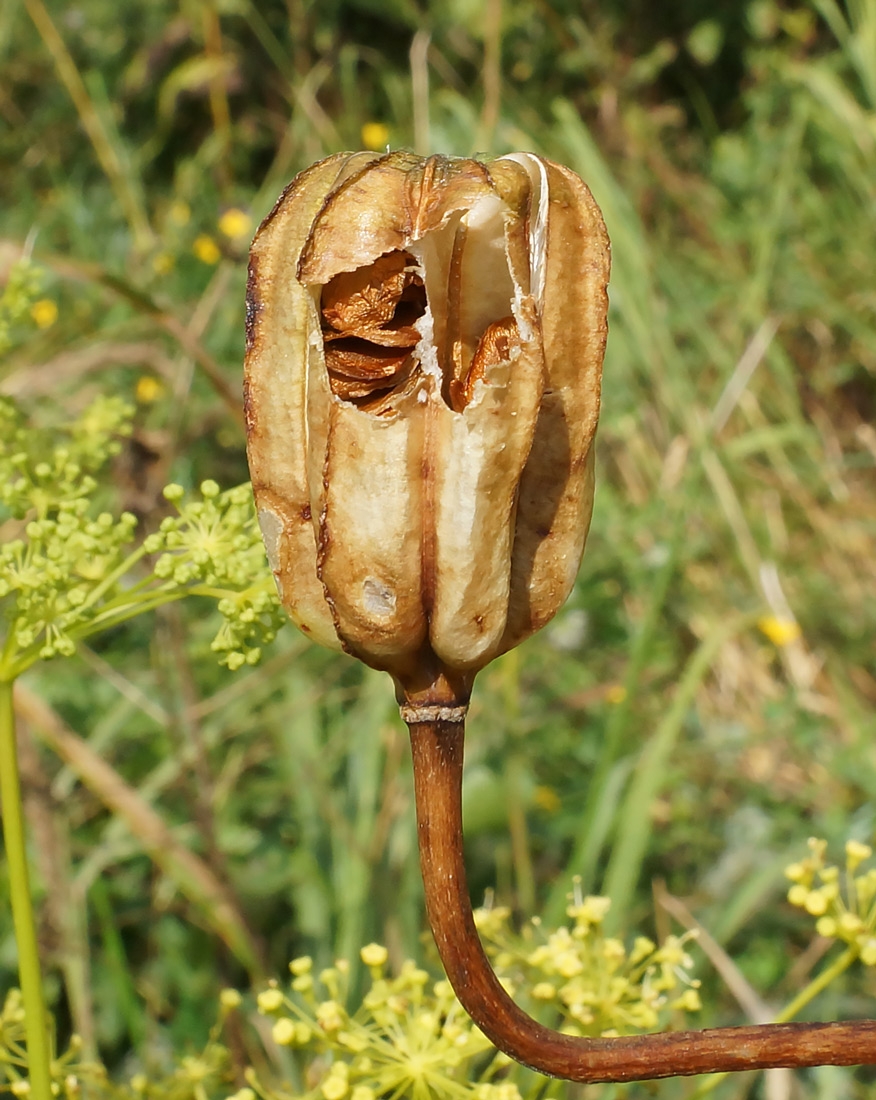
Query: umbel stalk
(437, 746)
(38, 1049)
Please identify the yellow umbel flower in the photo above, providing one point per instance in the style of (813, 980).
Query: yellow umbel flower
(844, 905)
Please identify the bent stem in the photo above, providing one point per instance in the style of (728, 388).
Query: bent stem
(437, 747)
(822, 981)
(36, 1020)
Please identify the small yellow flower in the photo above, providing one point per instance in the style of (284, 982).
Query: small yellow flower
(547, 799)
(284, 1032)
(229, 998)
(270, 1000)
(856, 853)
(329, 1016)
(848, 925)
(489, 1091)
(235, 223)
(20, 1088)
(826, 926)
(672, 953)
(375, 135)
(352, 1041)
(490, 922)
(689, 1001)
(163, 263)
(592, 910)
(374, 954)
(334, 1088)
(615, 694)
(798, 894)
(180, 212)
(336, 1084)
(302, 965)
(148, 389)
(196, 1069)
(642, 948)
(206, 250)
(568, 964)
(544, 991)
(44, 312)
(868, 952)
(816, 903)
(781, 632)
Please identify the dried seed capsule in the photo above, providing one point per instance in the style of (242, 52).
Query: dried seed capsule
(425, 341)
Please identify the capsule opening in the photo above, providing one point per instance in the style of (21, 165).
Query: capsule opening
(443, 307)
(368, 318)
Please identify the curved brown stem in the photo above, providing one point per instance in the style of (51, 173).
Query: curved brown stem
(437, 753)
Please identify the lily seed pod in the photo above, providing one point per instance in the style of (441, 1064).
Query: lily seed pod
(425, 346)
(424, 349)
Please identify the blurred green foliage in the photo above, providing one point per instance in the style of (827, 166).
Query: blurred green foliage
(653, 733)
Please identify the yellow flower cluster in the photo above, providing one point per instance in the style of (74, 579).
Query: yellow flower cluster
(409, 1036)
(595, 983)
(18, 298)
(844, 904)
(69, 1074)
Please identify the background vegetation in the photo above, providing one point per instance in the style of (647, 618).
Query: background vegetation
(705, 701)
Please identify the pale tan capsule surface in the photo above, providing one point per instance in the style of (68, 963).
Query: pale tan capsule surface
(425, 342)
